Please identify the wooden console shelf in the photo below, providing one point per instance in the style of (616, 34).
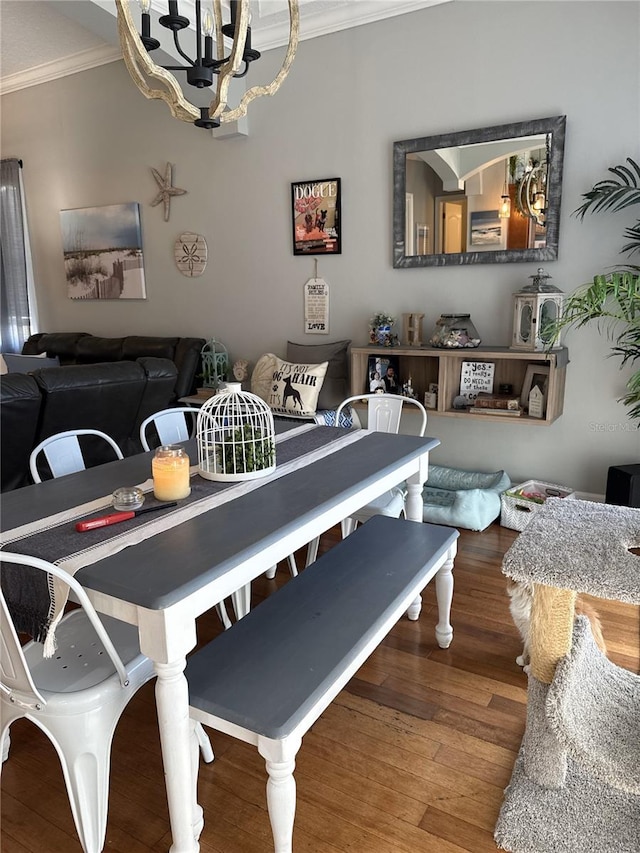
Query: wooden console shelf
(427, 365)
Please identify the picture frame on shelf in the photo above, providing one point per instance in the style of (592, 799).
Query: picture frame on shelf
(536, 374)
(383, 375)
(316, 217)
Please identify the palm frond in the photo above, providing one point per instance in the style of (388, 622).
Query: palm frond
(632, 397)
(612, 194)
(632, 234)
(612, 300)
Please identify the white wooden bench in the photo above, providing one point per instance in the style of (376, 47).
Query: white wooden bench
(268, 678)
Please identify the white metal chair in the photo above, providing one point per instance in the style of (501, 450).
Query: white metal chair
(76, 697)
(63, 454)
(171, 425)
(384, 412)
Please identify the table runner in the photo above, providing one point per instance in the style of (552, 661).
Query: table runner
(37, 600)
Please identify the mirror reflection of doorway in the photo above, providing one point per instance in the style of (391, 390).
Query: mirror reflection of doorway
(408, 236)
(452, 219)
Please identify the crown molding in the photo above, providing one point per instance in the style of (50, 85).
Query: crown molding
(324, 19)
(317, 18)
(82, 61)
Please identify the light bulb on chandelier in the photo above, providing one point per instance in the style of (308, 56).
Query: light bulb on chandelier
(504, 211)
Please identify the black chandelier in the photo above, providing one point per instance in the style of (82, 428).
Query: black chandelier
(210, 62)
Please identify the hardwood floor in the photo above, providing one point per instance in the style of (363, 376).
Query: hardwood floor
(412, 757)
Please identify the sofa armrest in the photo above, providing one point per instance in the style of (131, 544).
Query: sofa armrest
(62, 344)
(19, 413)
(187, 359)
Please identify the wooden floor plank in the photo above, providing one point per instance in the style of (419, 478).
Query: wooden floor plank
(467, 835)
(434, 731)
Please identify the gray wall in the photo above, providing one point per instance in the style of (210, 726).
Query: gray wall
(90, 139)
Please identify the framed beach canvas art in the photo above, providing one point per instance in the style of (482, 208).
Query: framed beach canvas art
(486, 228)
(102, 249)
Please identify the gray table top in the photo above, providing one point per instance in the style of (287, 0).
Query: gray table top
(177, 562)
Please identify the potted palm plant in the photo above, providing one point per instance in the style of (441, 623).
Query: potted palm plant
(612, 299)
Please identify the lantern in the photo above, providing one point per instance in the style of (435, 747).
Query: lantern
(535, 309)
(215, 363)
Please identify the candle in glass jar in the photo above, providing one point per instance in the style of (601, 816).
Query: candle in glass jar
(170, 468)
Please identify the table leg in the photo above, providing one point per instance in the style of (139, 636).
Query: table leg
(172, 700)
(413, 506)
(413, 509)
(444, 595)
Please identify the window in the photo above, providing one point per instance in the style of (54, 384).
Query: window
(17, 302)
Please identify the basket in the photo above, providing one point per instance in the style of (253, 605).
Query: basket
(236, 437)
(518, 505)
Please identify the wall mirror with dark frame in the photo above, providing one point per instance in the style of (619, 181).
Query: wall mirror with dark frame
(482, 196)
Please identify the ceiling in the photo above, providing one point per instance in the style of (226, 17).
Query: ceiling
(41, 41)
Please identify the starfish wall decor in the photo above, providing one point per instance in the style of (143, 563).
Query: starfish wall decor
(166, 191)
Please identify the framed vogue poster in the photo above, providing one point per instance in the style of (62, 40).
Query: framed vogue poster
(316, 217)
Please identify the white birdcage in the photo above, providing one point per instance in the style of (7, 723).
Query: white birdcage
(236, 436)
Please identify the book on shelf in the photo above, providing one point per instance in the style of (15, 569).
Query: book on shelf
(497, 401)
(500, 413)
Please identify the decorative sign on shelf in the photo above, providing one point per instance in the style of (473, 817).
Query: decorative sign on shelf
(190, 253)
(476, 376)
(316, 307)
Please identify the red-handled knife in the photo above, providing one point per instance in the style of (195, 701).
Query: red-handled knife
(115, 517)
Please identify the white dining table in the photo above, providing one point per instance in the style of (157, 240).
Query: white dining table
(165, 582)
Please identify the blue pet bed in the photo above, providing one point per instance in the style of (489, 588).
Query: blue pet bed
(467, 499)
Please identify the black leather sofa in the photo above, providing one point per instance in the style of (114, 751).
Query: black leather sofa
(112, 397)
(83, 348)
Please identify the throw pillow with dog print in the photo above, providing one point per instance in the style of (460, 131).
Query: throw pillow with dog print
(295, 388)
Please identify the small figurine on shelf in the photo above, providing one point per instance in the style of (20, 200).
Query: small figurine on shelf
(380, 330)
(376, 385)
(407, 390)
(412, 326)
(241, 370)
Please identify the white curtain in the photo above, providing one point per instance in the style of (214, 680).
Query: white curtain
(17, 295)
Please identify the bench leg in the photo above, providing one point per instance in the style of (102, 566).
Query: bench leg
(413, 613)
(281, 789)
(241, 600)
(444, 595)
(312, 551)
(293, 568)
(347, 527)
